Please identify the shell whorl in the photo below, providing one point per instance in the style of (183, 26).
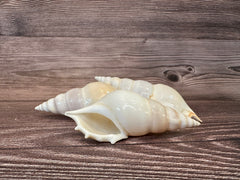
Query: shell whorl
(63, 102)
(159, 92)
(141, 87)
(76, 98)
(165, 118)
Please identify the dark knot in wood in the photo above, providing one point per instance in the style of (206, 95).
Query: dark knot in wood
(234, 68)
(190, 68)
(172, 75)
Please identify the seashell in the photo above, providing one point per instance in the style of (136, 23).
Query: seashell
(76, 98)
(123, 113)
(159, 92)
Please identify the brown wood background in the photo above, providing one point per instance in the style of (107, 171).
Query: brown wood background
(48, 47)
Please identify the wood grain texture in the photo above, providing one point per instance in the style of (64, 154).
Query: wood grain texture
(37, 145)
(48, 47)
(137, 18)
(42, 145)
(188, 66)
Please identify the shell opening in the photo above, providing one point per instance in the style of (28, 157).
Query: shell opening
(97, 124)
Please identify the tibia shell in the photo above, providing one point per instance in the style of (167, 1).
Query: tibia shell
(76, 98)
(159, 92)
(123, 113)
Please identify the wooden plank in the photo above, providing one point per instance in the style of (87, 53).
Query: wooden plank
(41, 145)
(44, 67)
(48, 47)
(186, 160)
(183, 19)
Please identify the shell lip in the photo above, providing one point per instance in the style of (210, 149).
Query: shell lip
(97, 109)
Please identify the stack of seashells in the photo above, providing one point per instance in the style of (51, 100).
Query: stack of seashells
(113, 109)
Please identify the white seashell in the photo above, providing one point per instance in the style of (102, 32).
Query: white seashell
(123, 113)
(159, 92)
(76, 98)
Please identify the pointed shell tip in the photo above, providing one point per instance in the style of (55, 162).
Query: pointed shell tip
(97, 78)
(196, 118)
(37, 108)
(86, 136)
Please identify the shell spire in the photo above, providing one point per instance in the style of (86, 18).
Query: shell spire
(48, 106)
(76, 98)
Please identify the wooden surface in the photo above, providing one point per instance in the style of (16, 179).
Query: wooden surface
(48, 47)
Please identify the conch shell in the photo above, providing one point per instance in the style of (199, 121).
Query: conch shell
(123, 113)
(159, 92)
(76, 98)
